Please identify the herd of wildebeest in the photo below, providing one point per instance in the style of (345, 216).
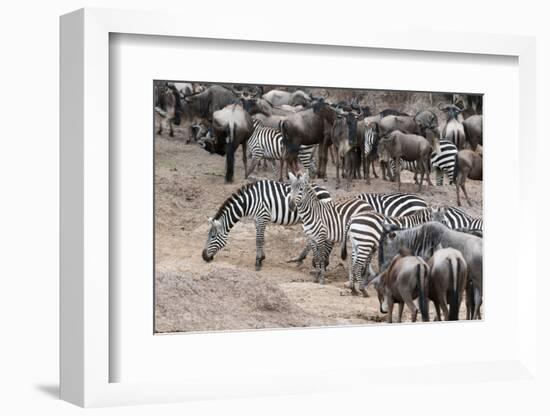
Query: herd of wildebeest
(430, 253)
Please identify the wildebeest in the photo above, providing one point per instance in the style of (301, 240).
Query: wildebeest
(405, 279)
(201, 106)
(168, 107)
(344, 138)
(409, 147)
(233, 126)
(468, 165)
(448, 273)
(453, 129)
(184, 88)
(279, 97)
(473, 131)
(424, 240)
(262, 106)
(305, 128)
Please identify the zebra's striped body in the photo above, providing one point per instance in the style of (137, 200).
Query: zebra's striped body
(456, 219)
(265, 201)
(443, 162)
(267, 143)
(370, 152)
(394, 204)
(328, 223)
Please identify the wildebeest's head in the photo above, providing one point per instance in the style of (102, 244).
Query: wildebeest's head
(385, 147)
(389, 245)
(216, 240)
(439, 214)
(452, 110)
(298, 186)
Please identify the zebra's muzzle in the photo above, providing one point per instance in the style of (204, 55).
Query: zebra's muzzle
(206, 257)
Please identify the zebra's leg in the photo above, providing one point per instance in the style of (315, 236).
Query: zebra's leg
(253, 165)
(261, 223)
(300, 258)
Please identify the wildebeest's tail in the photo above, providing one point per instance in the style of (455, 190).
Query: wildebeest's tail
(230, 153)
(344, 250)
(454, 272)
(422, 281)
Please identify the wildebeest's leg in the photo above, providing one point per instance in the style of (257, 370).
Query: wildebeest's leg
(437, 310)
(398, 172)
(427, 170)
(281, 166)
(463, 186)
(171, 128)
(332, 150)
(469, 300)
(477, 303)
(400, 308)
(389, 301)
(229, 162)
(367, 163)
(442, 300)
(458, 181)
(374, 170)
(407, 298)
(244, 159)
(261, 223)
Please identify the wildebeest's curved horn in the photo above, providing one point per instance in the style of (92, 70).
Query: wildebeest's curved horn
(442, 106)
(324, 93)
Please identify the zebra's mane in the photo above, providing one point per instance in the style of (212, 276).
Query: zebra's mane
(242, 191)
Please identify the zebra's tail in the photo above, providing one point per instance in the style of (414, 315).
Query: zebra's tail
(344, 250)
(453, 309)
(421, 279)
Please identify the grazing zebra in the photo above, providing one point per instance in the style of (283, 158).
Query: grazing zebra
(394, 204)
(267, 143)
(456, 219)
(443, 162)
(265, 201)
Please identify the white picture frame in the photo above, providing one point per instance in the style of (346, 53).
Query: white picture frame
(85, 212)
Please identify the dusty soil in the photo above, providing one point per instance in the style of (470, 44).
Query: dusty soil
(227, 293)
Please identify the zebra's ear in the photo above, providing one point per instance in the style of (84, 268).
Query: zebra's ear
(305, 176)
(389, 227)
(291, 176)
(217, 224)
(438, 247)
(210, 221)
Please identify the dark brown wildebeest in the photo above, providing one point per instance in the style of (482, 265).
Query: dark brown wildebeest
(405, 279)
(233, 126)
(448, 273)
(168, 107)
(473, 131)
(453, 130)
(409, 147)
(344, 139)
(468, 165)
(262, 106)
(424, 240)
(305, 128)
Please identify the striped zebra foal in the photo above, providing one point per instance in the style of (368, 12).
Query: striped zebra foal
(267, 143)
(443, 162)
(328, 223)
(396, 204)
(266, 201)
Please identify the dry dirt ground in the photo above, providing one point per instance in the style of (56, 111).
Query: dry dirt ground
(228, 294)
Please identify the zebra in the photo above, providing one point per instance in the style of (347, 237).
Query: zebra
(267, 143)
(265, 201)
(443, 162)
(332, 222)
(371, 152)
(456, 219)
(394, 204)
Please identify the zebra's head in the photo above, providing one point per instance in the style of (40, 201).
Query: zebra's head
(439, 214)
(217, 238)
(297, 187)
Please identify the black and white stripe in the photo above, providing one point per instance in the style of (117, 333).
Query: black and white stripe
(265, 201)
(442, 162)
(394, 204)
(328, 223)
(456, 219)
(267, 143)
